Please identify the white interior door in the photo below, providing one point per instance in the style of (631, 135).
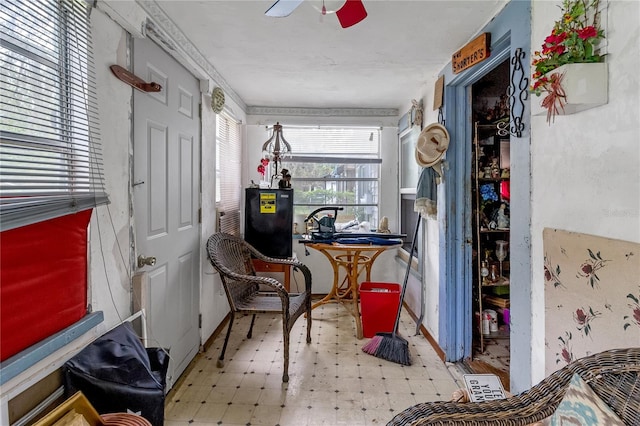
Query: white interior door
(166, 201)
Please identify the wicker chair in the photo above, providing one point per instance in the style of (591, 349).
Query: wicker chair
(614, 375)
(232, 258)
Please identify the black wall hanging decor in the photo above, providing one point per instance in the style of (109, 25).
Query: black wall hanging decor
(518, 93)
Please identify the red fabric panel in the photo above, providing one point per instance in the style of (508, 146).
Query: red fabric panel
(43, 280)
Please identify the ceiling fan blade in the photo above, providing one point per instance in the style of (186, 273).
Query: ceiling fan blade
(351, 13)
(282, 8)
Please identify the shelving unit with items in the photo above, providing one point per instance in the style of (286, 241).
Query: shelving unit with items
(490, 197)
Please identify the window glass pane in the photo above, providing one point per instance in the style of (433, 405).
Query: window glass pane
(335, 167)
(29, 25)
(35, 94)
(409, 168)
(228, 168)
(45, 169)
(408, 220)
(218, 172)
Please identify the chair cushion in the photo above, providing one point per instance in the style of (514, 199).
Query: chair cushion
(581, 406)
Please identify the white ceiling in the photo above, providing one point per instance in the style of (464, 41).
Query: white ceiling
(308, 60)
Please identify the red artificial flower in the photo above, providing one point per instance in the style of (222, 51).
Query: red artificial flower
(261, 169)
(587, 32)
(556, 38)
(265, 162)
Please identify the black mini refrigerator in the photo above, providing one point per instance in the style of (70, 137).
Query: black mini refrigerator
(268, 221)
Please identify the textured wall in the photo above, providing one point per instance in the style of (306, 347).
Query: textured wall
(586, 166)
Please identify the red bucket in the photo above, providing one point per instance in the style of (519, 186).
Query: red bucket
(379, 306)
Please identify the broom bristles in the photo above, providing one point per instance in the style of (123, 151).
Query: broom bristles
(372, 346)
(389, 346)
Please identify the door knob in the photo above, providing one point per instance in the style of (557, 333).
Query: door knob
(142, 261)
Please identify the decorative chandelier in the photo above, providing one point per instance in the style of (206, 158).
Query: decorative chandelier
(276, 147)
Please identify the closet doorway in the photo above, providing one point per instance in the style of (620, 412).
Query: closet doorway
(490, 222)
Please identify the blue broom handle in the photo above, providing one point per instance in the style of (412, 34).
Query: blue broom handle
(406, 275)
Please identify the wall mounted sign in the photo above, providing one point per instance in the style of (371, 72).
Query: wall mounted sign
(268, 203)
(474, 52)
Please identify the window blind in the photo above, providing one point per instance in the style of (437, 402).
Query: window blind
(228, 172)
(333, 165)
(347, 142)
(50, 154)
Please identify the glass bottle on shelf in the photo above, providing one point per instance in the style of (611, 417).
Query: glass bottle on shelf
(494, 276)
(501, 252)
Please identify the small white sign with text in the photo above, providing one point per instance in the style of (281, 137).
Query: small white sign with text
(483, 387)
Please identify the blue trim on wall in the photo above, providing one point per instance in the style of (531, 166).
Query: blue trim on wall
(510, 29)
(20, 362)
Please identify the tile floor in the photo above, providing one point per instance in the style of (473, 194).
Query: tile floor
(497, 354)
(331, 381)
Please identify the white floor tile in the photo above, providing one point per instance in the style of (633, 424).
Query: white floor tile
(331, 381)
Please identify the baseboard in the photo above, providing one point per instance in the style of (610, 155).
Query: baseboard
(206, 345)
(427, 335)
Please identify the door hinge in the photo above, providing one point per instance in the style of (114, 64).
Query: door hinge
(200, 215)
(200, 111)
(199, 320)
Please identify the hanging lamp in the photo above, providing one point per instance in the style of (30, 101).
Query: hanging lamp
(276, 147)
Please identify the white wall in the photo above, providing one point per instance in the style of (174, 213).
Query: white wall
(430, 234)
(586, 166)
(111, 226)
(213, 302)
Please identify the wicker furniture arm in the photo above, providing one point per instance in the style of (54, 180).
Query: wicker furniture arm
(232, 258)
(614, 375)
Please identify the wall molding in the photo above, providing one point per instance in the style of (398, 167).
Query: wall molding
(323, 112)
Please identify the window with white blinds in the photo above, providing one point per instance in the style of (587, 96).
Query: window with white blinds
(50, 154)
(335, 166)
(228, 172)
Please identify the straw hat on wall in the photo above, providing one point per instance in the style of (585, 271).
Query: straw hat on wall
(431, 145)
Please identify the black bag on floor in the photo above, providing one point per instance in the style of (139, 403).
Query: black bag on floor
(118, 374)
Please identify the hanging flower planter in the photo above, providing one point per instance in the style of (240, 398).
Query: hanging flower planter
(578, 87)
(570, 74)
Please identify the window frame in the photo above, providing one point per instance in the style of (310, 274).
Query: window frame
(320, 156)
(407, 137)
(228, 189)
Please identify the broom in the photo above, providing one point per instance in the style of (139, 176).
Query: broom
(390, 346)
